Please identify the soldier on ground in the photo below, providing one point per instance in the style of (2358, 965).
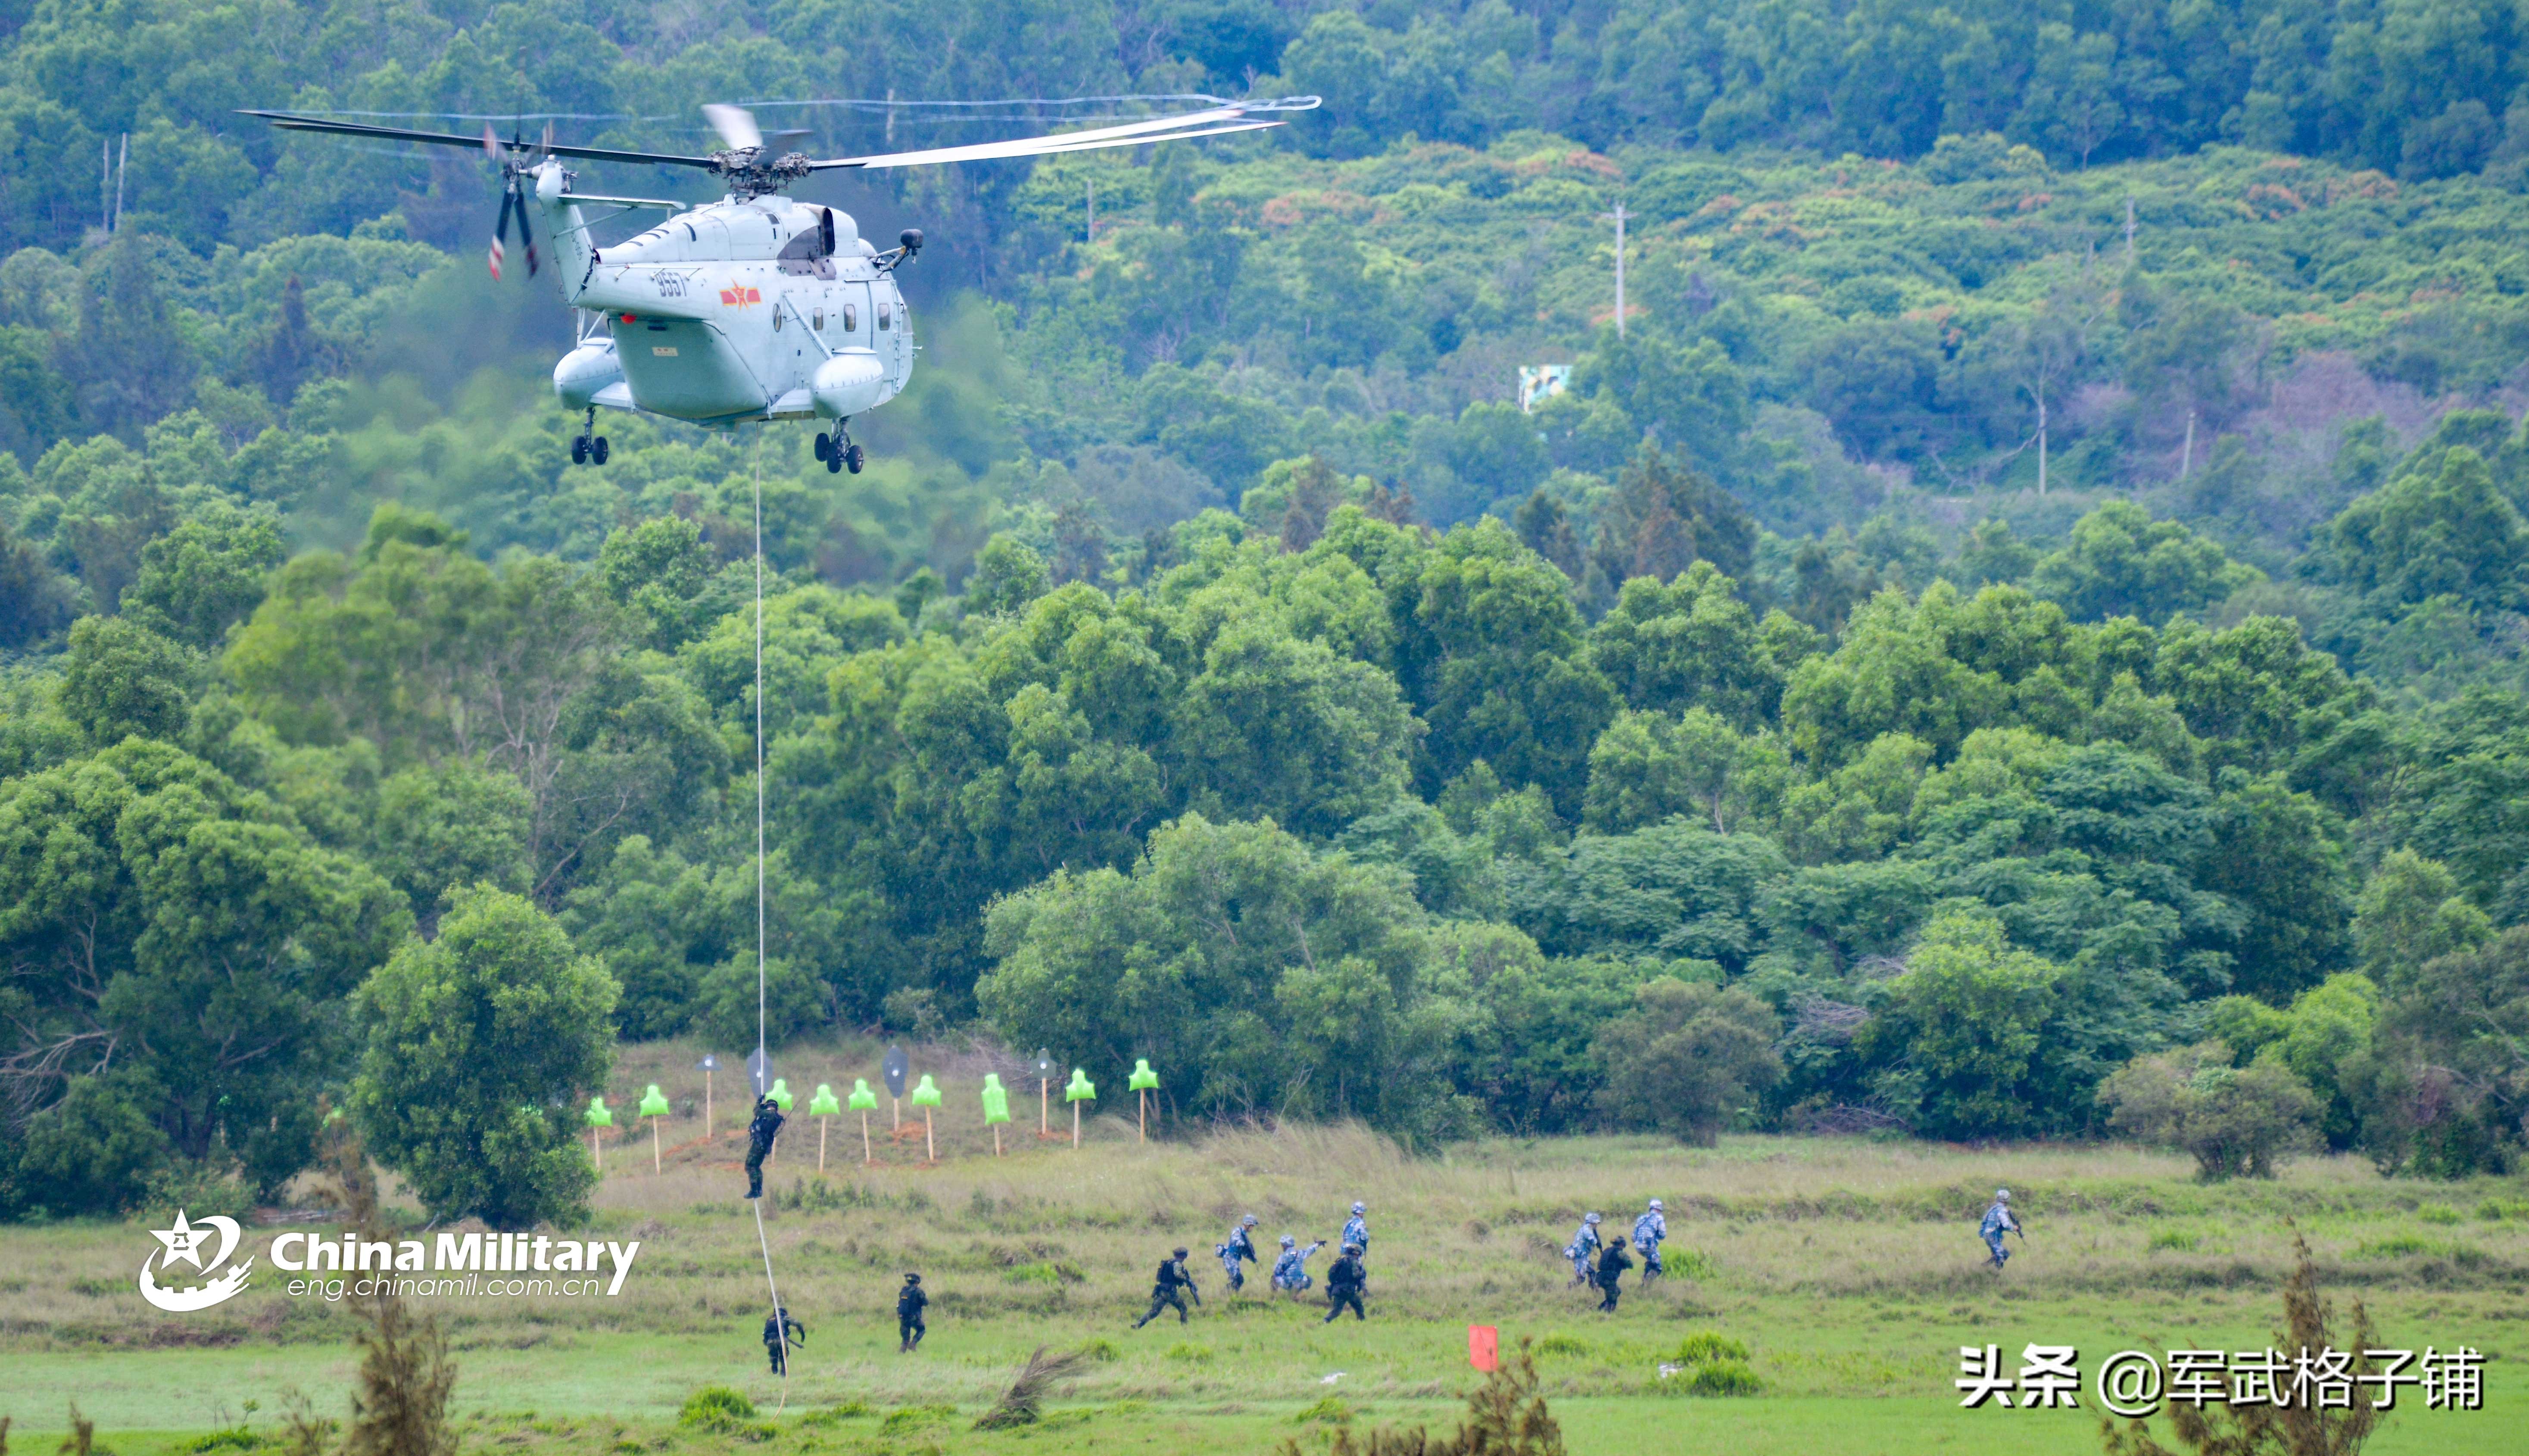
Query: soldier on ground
(1240, 1249)
(1584, 1244)
(1170, 1288)
(778, 1328)
(1611, 1268)
(1650, 1231)
(1997, 1222)
(909, 1328)
(1344, 1284)
(1291, 1270)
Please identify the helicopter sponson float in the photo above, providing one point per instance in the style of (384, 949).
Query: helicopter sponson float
(753, 308)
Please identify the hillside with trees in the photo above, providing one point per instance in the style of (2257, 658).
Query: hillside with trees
(2021, 623)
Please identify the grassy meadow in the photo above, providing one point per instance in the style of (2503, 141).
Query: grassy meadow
(1850, 1268)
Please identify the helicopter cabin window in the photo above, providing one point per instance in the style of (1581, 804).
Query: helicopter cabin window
(851, 318)
(817, 321)
(886, 317)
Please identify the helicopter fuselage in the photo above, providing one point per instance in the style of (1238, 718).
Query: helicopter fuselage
(747, 309)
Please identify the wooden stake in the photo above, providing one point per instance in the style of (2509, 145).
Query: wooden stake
(595, 1151)
(996, 1139)
(654, 1145)
(865, 1147)
(898, 1103)
(1075, 1125)
(820, 1146)
(1044, 1101)
(927, 1145)
(1142, 1113)
(707, 1106)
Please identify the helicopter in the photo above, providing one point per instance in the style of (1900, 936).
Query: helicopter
(754, 308)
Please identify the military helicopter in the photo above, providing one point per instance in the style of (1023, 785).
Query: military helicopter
(753, 308)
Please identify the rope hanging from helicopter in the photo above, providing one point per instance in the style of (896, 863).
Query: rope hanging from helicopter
(762, 1062)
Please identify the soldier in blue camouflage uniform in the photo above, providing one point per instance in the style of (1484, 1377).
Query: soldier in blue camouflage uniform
(1997, 1222)
(1648, 1231)
(1241, 1248)
(1291, 1270)
(1356, 1229)
(1584, 1244)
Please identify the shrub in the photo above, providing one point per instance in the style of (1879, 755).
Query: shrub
(1690, 1263)
(2232, 1121)
(2263, 1429)
(93, 1152)
(1725, 1377)
(1333, 1409)
(2436, 1212)
(1024, 1402)
(1704, 1347)
(1686, 1058)
(715, 1408)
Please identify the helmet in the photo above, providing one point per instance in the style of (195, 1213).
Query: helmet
(1616, 1241)
(1247, 1222)
(2002, 1195)
(1360, 1208)
(1180, 1253)
(1352, 1248)
(913, 1279)
(1592, 1219)
(1656, 1205)
(1288, 1241)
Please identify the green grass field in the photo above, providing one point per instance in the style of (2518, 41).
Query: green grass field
(1850, 1268)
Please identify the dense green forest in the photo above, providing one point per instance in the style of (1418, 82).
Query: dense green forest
(2031, 598)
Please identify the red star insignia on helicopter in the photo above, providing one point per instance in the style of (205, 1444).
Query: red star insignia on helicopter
(739, 295)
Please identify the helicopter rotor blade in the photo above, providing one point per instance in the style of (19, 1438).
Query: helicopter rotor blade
(1242, 116)
(1037, 146)
(735, 126)
(500, 234)
(292, 122)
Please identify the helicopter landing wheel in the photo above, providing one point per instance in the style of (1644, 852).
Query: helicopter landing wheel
(852, 458)
(825, 449)
(579, 449)
(597, 449)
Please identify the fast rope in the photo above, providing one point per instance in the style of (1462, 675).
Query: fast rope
(763, 1064)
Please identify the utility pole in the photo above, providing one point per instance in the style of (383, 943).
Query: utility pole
(1093, 210)
(2187, 458)
(1619, 216)
(105, 185)
(891, 118)
(121, 165)
(2129, 232)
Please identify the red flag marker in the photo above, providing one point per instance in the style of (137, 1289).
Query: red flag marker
(1484, 1346)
